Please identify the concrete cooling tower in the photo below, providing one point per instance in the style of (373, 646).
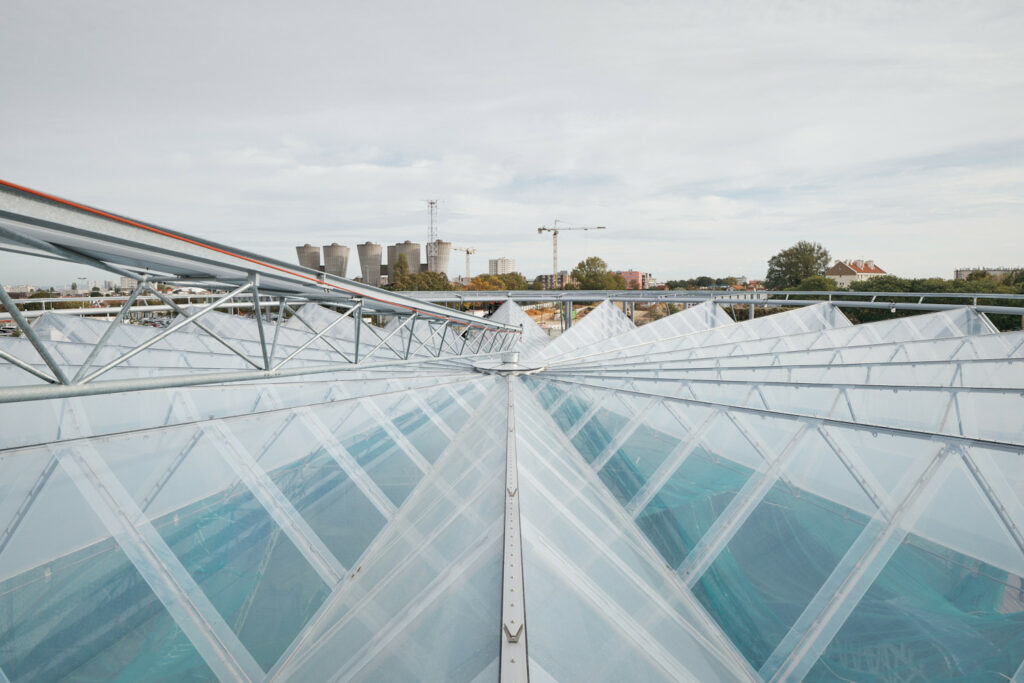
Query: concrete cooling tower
(336, 259)
(309, 256)
(369, 262)
(438, 253)
(412, 255)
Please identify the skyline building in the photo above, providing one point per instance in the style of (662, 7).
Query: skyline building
(501, 265)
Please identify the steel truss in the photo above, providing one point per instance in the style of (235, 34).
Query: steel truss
(35, 224)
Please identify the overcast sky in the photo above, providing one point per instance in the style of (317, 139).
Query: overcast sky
(706, 136)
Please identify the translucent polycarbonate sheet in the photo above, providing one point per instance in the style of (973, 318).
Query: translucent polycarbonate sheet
(640, 452)
(426, 597)
(41, 421)
(592, 583)
(774, 565)
(252, 572)
(603, 322)
(316, 484)
(977, 413)
(72, 605)
(684, 508)
(533, 338)
(755, 343)
(694, 319)
(809, 319)
(948, 612)
(376, 452)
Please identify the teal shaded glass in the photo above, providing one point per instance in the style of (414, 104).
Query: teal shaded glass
(389, 467)
(635, 461)
(338, 512)
(417, 426)
(90, 615)
(598, 433)
(689, 503)
(571, 410)
(774, 565)
(249, 569)
(72, 605)
(933, 614)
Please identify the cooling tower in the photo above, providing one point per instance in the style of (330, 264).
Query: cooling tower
(369, 262)
(309, 256)
(412, 255)
(438, 253)
(336, 259)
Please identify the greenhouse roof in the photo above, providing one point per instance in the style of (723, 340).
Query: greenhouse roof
(792, 497)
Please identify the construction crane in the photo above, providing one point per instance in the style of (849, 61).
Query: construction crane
(554, 230)
(468, 252)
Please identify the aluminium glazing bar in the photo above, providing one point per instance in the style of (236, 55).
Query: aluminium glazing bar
(952, 439)
(513, 663)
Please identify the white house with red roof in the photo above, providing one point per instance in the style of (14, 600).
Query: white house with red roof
(845, 272)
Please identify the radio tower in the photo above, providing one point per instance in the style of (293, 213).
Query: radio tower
(431, 250)
(432, 230)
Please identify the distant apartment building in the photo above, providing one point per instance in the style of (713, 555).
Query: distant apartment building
(21, 290)
(843, 273)
(563, 280)
(962, 273)
(637, 280)
(501, 266)
(128, 284)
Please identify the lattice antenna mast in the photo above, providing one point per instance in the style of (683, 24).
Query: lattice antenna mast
(432, 228)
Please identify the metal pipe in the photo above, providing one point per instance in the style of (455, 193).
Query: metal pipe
(33, 338)
(109, 332)
(204, 328)
(14, 360)
(169, 331)
(46, 392)
(382, 341)
(318, 335)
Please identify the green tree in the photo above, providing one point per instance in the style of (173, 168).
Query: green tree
(74, 286)
(513, 281)
(816, 283)
(486, 283)
(593, 273)
(704, 281)
(398, 269)
(790, 266)
(431, 282)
